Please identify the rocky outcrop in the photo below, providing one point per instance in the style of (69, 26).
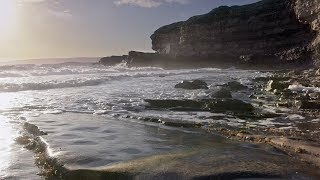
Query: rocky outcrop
(138, 59)
(196, 84)
(113, 60)
(307, 12)
(269, 32)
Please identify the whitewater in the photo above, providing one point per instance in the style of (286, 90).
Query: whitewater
(91, 117)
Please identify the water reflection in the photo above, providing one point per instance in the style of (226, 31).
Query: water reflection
(6, 141)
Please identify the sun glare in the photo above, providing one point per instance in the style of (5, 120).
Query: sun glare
(7, 14)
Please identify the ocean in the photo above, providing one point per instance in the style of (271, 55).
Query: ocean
(90, 120)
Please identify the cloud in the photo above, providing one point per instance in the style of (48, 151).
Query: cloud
(33, 1)
(60, 14)
(53, 8)
(148, 3)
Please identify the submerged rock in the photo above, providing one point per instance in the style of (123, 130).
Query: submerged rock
(33, 129)
(235, 86)
(196, 84)
(174, 104)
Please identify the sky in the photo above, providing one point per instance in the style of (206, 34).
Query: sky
(89, 28)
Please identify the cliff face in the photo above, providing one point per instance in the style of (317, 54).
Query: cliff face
(308, 12)
(266, 32)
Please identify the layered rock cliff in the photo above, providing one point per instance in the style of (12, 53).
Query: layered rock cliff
(269, 32)
(308, 12)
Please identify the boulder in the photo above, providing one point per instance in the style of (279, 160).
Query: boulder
(222, 93)
(276, 85)
(235, 86)
(233, 105)
(307, 104)
(196, 84)
(33, 129)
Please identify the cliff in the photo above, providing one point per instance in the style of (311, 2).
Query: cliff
(269, 32)
(307, 11)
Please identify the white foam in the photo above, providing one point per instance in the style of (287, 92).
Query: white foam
(52, 112)
(295, 117)
(301, 88)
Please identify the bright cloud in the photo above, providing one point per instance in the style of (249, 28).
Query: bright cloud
(33, 1)
(148, 3)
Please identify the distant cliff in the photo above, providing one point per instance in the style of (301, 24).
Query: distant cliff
(113, 60)
(269, 32)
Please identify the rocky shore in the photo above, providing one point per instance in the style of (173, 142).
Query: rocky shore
(281, 110)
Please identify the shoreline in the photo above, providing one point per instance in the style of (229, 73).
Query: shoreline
(293, 143)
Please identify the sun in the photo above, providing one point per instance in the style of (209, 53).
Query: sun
(7, 14)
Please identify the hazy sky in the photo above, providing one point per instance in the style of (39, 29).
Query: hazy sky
(74, 28)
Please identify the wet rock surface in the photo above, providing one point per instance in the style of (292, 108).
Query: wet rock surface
(222, 93)
(286, 104)
(196, 84)
(234, 86)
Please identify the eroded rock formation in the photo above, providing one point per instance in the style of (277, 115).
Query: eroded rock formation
(307, 11)
(269, 32)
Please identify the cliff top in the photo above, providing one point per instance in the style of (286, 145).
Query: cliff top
(225, 12)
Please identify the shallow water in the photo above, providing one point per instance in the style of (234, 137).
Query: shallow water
(82, 110)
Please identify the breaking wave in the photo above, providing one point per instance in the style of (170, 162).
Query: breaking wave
(11, 87)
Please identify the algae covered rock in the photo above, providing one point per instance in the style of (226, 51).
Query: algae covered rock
(210, 105)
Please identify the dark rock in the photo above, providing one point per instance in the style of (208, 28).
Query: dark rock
(305, 104)
(185, 124)
(235, 86)
(286, 93)
(113, 60)
(276, 85)
(253, 96)
(200, 83)
(33, 129)
(196, 84)
(222, 93)
(233, 105)
(172, 104)
(214, 105)
(258, 79)
(283, 104)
